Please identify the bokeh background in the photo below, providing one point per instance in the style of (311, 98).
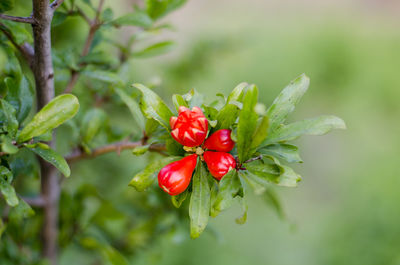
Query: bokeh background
(346, 209)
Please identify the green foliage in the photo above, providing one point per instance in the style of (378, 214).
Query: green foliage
(51, 156)
(6, 5)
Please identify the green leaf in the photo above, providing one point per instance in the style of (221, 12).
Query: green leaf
(137, 18)
(140, 150)
(103, 76)
(92, 123)
(3, 227)
(20, 95)
(159, 8)
(6, 5)
(199, 207)
(286, 101)
(133, 107)
(261, 133)
(56, 112)
(265, 174)
(58, 18)
(271, 198)
(179, 101)
(18, 31)
(6, 178)
(229, 188)
(284, 151)
(316, 126)
(180, 198)
(243, 218)
(52, 157)
(109, 254)
(153, 106)
(247, 124)
(194, 98)
(7, 146)
(227, 116)
(237, 92)
(142, 180)
(11, 123)
(155, 49)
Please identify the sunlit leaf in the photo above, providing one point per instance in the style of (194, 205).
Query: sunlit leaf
(52, 157)
(288, 152)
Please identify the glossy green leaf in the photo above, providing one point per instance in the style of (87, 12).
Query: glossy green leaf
(227, 116)
(316, 126)
(265, 174)
(144, 179)
(56, 112)
(6, 178)
(159, 8)
(20, 95)
(153, 106)
(260, 133)
(286, 101)
(155, 49)
(237, 92)
(288, 152)
(52, 157)
(179, 101)
(199, 207)
(133, 107)
(229, 188)
(11, 123)
(92, 123)
(180, 198)
(136, 18)
(247, 124)
(6, 5)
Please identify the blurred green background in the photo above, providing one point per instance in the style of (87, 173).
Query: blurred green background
(346, 210)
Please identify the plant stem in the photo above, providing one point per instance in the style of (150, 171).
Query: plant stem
(44, 78)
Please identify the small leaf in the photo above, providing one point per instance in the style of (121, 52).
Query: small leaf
(229, 188)
(52, 157)
(6, 189)
(179, 101)
(140, 150)
(145, 178)
(20, 96)
(265, 174)
(243, 218)
(11, 123)
(284, 104)
(247, 124)
(199, 207)
(237, 92)
(153, 106)
(180, 198)
(56, 112)
(284, 151)
(137, 18)
(155, 49)
(261, 133)
(227, 116)
(316, 126)
(271, 198)
(194, 98)
(7, 146)
(92, 122)
(133, 107)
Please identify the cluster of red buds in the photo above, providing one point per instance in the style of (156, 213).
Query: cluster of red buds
(190, 129)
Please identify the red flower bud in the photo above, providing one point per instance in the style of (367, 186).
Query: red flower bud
(220, 141)
(219, 163)
(190, 127)
(175, 177)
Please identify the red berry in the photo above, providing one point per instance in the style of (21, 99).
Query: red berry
(190, 127)
(175, 177)
(219, 163)
(220, 141)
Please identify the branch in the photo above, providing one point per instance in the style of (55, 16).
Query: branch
(28, 20)
(93, 27)
(35, 201)
(116, 147)
(25, 49)
(56, 4)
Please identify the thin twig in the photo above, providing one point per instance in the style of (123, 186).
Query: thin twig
(55, 4)
(115, 147)
(28, 20)
(253, 159)
(25, 49)
(35, 201)
(93, 27)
